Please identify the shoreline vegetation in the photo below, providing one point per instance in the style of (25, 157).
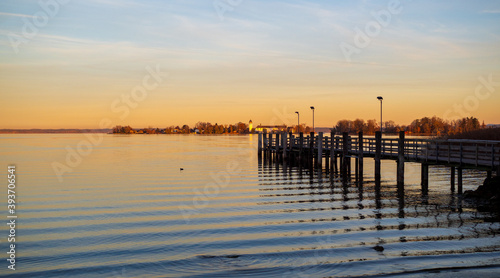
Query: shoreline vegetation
(465, 128)
(456, 129)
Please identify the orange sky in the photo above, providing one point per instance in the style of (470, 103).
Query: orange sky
(80, 67)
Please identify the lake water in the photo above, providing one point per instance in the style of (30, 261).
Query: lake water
(127, 210)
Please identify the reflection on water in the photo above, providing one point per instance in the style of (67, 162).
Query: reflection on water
(127, 211)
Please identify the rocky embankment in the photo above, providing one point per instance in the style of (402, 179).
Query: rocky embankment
(487, 195)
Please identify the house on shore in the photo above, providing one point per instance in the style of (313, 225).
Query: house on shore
(271, 128)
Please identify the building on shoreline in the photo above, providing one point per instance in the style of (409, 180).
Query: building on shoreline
(271, 128)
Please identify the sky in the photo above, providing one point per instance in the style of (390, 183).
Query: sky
(80, 64)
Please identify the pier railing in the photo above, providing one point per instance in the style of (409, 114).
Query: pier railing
(467, 153)
(460, 154)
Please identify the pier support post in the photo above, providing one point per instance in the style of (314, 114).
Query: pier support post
(460, 184)
(337, 142)
(345, 150)
(452, 180)
(270, 147)
(311, 148)
(425, 178)
(264, 142)
(332, 150)
(378, 154)
(356, 168)
(301, 145)
(319, 160)
(401, 159)
(284, 145)
(277, 146)
(360, 157)
(259, 145)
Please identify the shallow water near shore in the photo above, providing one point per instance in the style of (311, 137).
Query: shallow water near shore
(128, 210)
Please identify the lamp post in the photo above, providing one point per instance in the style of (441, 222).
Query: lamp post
(380, 98)
(298, 122)
(312, 108)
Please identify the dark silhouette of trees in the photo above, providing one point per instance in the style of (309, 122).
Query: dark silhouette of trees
(424, 126)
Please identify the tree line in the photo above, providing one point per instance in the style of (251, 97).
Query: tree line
(424, 126)
(199, 128)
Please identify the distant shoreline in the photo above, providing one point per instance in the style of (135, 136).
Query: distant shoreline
(49, 131)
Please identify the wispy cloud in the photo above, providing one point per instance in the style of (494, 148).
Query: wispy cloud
(490, 11)
(16, 15)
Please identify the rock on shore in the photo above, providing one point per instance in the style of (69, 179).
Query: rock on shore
(488, 193)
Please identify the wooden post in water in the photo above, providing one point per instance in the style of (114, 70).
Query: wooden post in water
(452, 181)
(401, 159)
(356, 168)
(259, 145)
(269, 149)
(460, 188)
(311, 148)
(319, 160)
(284, 145)
(277, 146)
(378, 154)
(264, 143)
(345, 144)
(332, 150)
(336, 154)
(360, 157)
(425, 178)
(301, 145)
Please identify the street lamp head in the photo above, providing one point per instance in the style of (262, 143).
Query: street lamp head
(312, 107)
(380, 98)
(297, 112)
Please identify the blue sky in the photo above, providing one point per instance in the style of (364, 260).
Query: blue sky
(262, 56)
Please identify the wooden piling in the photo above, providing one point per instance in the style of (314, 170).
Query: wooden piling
(401, 159)
(425, 178)
(360, 157)
(345, 150)
(284, 145)
(259, 145)
(269, 141)
(311, 148)
(319, 160)
(337, 142)
(271, 147)
(356, 168)
(277, 146)
(301, 146)
(452, 180)
(460, 181)
(332, 150)
(378, 154)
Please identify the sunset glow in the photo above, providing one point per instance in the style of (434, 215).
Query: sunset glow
(70, 65)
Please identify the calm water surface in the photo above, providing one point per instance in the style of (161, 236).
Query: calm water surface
(127, 210)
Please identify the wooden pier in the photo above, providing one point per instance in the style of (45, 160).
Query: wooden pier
(336, 153)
